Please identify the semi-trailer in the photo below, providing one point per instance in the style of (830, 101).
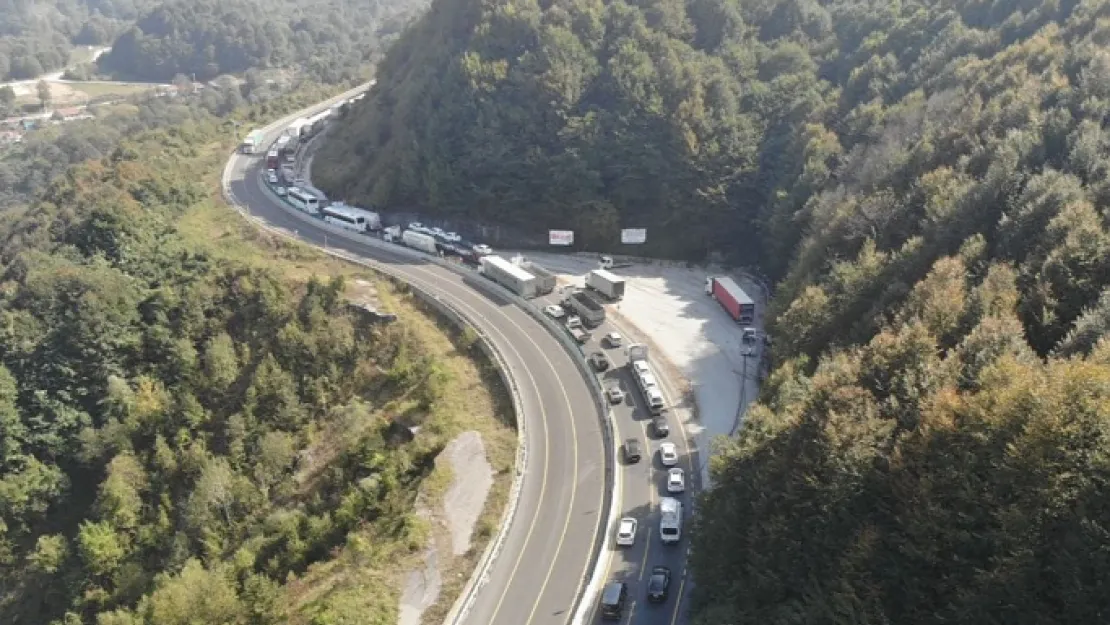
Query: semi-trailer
(606, 283)
(253, 143)
(732, 298)
(420, 241)
(590, 310)
(545, 280)
(508, 275)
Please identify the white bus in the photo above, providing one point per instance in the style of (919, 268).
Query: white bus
(352, 218)
(304, 200)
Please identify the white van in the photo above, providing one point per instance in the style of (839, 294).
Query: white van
(670, 520)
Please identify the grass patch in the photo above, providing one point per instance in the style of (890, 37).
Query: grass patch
(471, 397)
(106, 90)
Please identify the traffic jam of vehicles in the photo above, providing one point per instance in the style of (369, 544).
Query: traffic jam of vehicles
(580, 311)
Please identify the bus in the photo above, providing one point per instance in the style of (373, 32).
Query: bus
(351, 218)
(303, 200)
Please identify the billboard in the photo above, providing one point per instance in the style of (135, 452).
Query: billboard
(633, 235)
(560, 237)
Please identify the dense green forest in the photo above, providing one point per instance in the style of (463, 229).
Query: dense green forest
(332, 40)
(37, 37)
(926, 184)
(197, 429)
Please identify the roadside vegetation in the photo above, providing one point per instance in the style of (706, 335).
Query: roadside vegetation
(923, 181)
(195, 427)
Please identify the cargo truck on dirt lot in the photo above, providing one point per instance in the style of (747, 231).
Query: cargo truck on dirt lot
(508, 275)
(606, 283)
(732, 298)
(585, 306)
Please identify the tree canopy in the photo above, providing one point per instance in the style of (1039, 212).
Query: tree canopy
(923, 182)
(332, 40)
(187, 437)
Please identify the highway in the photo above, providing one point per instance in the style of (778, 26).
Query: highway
(544, 562)
(642, 486)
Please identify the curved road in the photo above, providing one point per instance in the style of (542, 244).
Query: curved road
(542, 566)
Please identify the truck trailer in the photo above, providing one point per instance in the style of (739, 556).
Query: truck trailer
(732, 298)
(606, 283)
(545, 280)
(420, 241)
(590, 310)
(253, 143)
(508, 275)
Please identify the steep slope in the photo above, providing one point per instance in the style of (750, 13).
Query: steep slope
(583, 115)
(925, 181)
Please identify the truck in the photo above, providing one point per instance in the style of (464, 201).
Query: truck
(508, 275)
(732, 298)
(607, 262)
(296, 129)
(253, 143)
(606, 283)
(545, 280)
(273, 159)
(670, 520)
(577, 331)
(392, 234)
(645, 379)
(591, 311)
(420, 241)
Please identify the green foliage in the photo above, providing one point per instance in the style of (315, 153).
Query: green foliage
(332, 40)
(924, 181)
(165, 454)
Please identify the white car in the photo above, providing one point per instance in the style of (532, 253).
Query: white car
(555, 312)
(668, 454)
(272, 178)
(676, 481)
(482, 248)
(626, 532)
(280, 191)
(614, 339)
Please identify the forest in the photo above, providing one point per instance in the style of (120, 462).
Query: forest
(331, 40)
(926, 185)
(202, 429)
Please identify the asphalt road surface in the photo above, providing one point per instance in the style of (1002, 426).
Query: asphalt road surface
(543, 564)
(643, 484)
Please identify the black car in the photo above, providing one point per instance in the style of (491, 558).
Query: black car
(658, 584)
(660, 427)
(612, 601)
(599, 361)
(632, 451)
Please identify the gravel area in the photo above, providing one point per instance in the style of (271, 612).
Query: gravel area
(471, 480)
(667, 303)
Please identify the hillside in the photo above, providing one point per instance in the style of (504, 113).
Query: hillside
(925, 182)
(331, 40)
(195, 427)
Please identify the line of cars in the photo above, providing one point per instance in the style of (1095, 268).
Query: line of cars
(615, 594)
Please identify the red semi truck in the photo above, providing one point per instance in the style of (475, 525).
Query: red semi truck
(732, 298)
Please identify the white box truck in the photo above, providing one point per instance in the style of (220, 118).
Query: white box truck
(545, 280)
(508, 275)
(670, 520)
(420, 241)
(606, 283)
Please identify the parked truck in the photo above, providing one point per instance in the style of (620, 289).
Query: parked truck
(590, 310)
(545, 280)
(508, 275)
(732, 298)
(577, 331)
(391, 234)
(608, 284)
(419, 241)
